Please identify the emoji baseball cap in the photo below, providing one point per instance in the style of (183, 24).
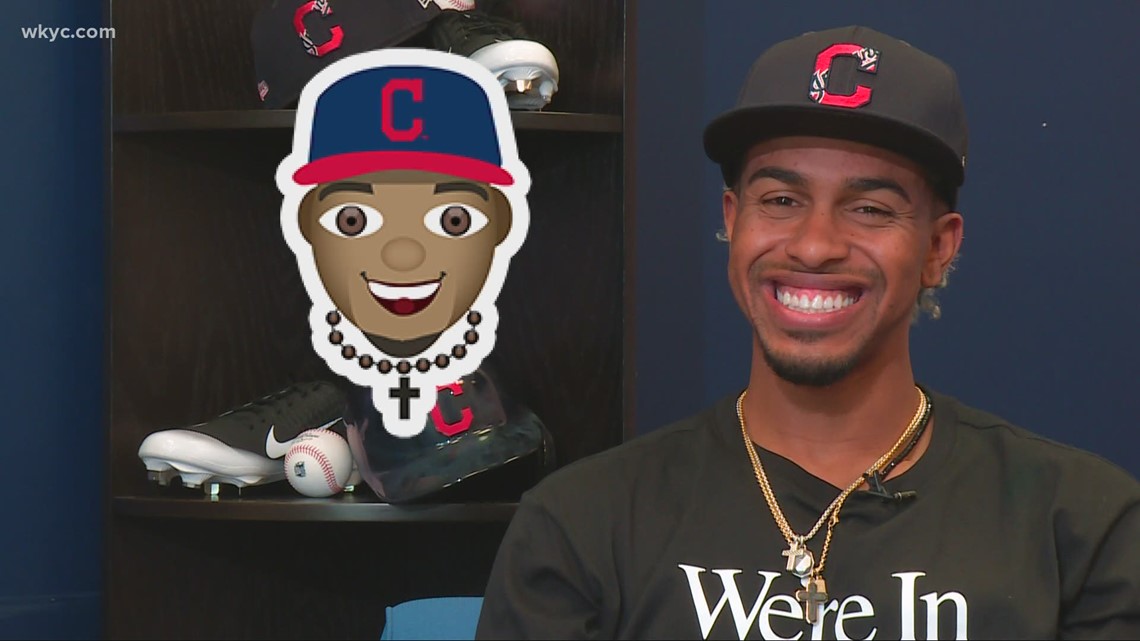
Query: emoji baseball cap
(851, 83)
(404, 117)
(293, 40)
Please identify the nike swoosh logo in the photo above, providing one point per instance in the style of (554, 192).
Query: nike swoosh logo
(278, 449)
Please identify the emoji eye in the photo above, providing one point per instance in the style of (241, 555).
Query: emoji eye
(455, 221)
(352, 220)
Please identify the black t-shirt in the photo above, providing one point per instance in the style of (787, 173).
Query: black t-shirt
(668, 536)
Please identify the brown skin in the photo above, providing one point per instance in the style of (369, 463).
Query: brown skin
(822, 214)
(397, 248)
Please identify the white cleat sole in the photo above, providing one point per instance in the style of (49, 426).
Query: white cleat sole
(525, 69)
(198, 459)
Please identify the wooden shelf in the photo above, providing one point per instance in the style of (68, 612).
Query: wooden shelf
(284, 119)
(344, 507)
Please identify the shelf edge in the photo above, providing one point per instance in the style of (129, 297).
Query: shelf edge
(341, 509)
(242, 120)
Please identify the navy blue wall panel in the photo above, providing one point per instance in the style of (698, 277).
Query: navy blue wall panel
(671, 341)
(51, 285)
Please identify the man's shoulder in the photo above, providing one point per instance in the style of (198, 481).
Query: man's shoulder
(673, 446)
(1028, 449)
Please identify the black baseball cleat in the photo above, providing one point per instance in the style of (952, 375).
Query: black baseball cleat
(525, 68)
(243, 446)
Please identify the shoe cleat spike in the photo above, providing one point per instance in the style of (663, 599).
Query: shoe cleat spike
(193, 479)
(546, 90)
(162, 477)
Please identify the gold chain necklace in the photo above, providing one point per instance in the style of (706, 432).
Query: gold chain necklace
(800, 560)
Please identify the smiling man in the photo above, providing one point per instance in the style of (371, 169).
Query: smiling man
(830, 241)
(832, 495)
(404, 202)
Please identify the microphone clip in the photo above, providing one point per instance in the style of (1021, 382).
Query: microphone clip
(875, 480)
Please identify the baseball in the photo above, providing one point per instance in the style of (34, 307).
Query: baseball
(456, 5)
(318, 463)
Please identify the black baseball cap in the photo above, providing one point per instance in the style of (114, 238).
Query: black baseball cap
(474, 428)
(293, 40)
(851, 83)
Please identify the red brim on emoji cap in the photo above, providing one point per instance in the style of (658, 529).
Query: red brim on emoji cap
(347, 165)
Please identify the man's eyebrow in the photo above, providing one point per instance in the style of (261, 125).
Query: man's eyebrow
(873, 184)
(344, 186)
(778, 173)
(461, 186)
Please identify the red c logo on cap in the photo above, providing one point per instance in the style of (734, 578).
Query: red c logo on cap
(465, 415)
(336, 34)
(414, 86)
(868, 63)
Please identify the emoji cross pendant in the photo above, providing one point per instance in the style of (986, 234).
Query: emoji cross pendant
(405, 393)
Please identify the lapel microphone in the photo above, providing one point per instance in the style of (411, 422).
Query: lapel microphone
(875, 479)
(876, 482)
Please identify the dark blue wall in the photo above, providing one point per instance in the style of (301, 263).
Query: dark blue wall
(1039, 318)
(671, 337)
(51, 285)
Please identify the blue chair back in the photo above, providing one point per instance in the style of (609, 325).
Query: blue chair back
(453, 617)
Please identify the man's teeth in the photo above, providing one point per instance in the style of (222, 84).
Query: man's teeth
(396, 292)
(820, 303)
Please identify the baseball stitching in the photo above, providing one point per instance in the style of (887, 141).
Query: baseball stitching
(461, 5)
(326, 467)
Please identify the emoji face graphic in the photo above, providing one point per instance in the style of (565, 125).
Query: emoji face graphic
(404, 254)
(404, 200)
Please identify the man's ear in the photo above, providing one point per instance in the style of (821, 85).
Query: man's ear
(729, 203)
(945, 241)
(504, 218)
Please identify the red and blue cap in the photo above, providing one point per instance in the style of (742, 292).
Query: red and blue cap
(404, 117)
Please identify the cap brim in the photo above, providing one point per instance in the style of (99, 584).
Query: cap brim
(341, 166)
(728, 137)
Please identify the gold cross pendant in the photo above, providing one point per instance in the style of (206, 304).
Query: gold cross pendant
(812, 596)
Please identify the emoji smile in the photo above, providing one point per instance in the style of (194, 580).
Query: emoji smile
(404, 299)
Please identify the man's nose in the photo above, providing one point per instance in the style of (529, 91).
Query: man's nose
(818, 239)
(403, 254)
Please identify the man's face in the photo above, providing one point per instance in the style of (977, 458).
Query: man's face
(404, 254)
(830, 243)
